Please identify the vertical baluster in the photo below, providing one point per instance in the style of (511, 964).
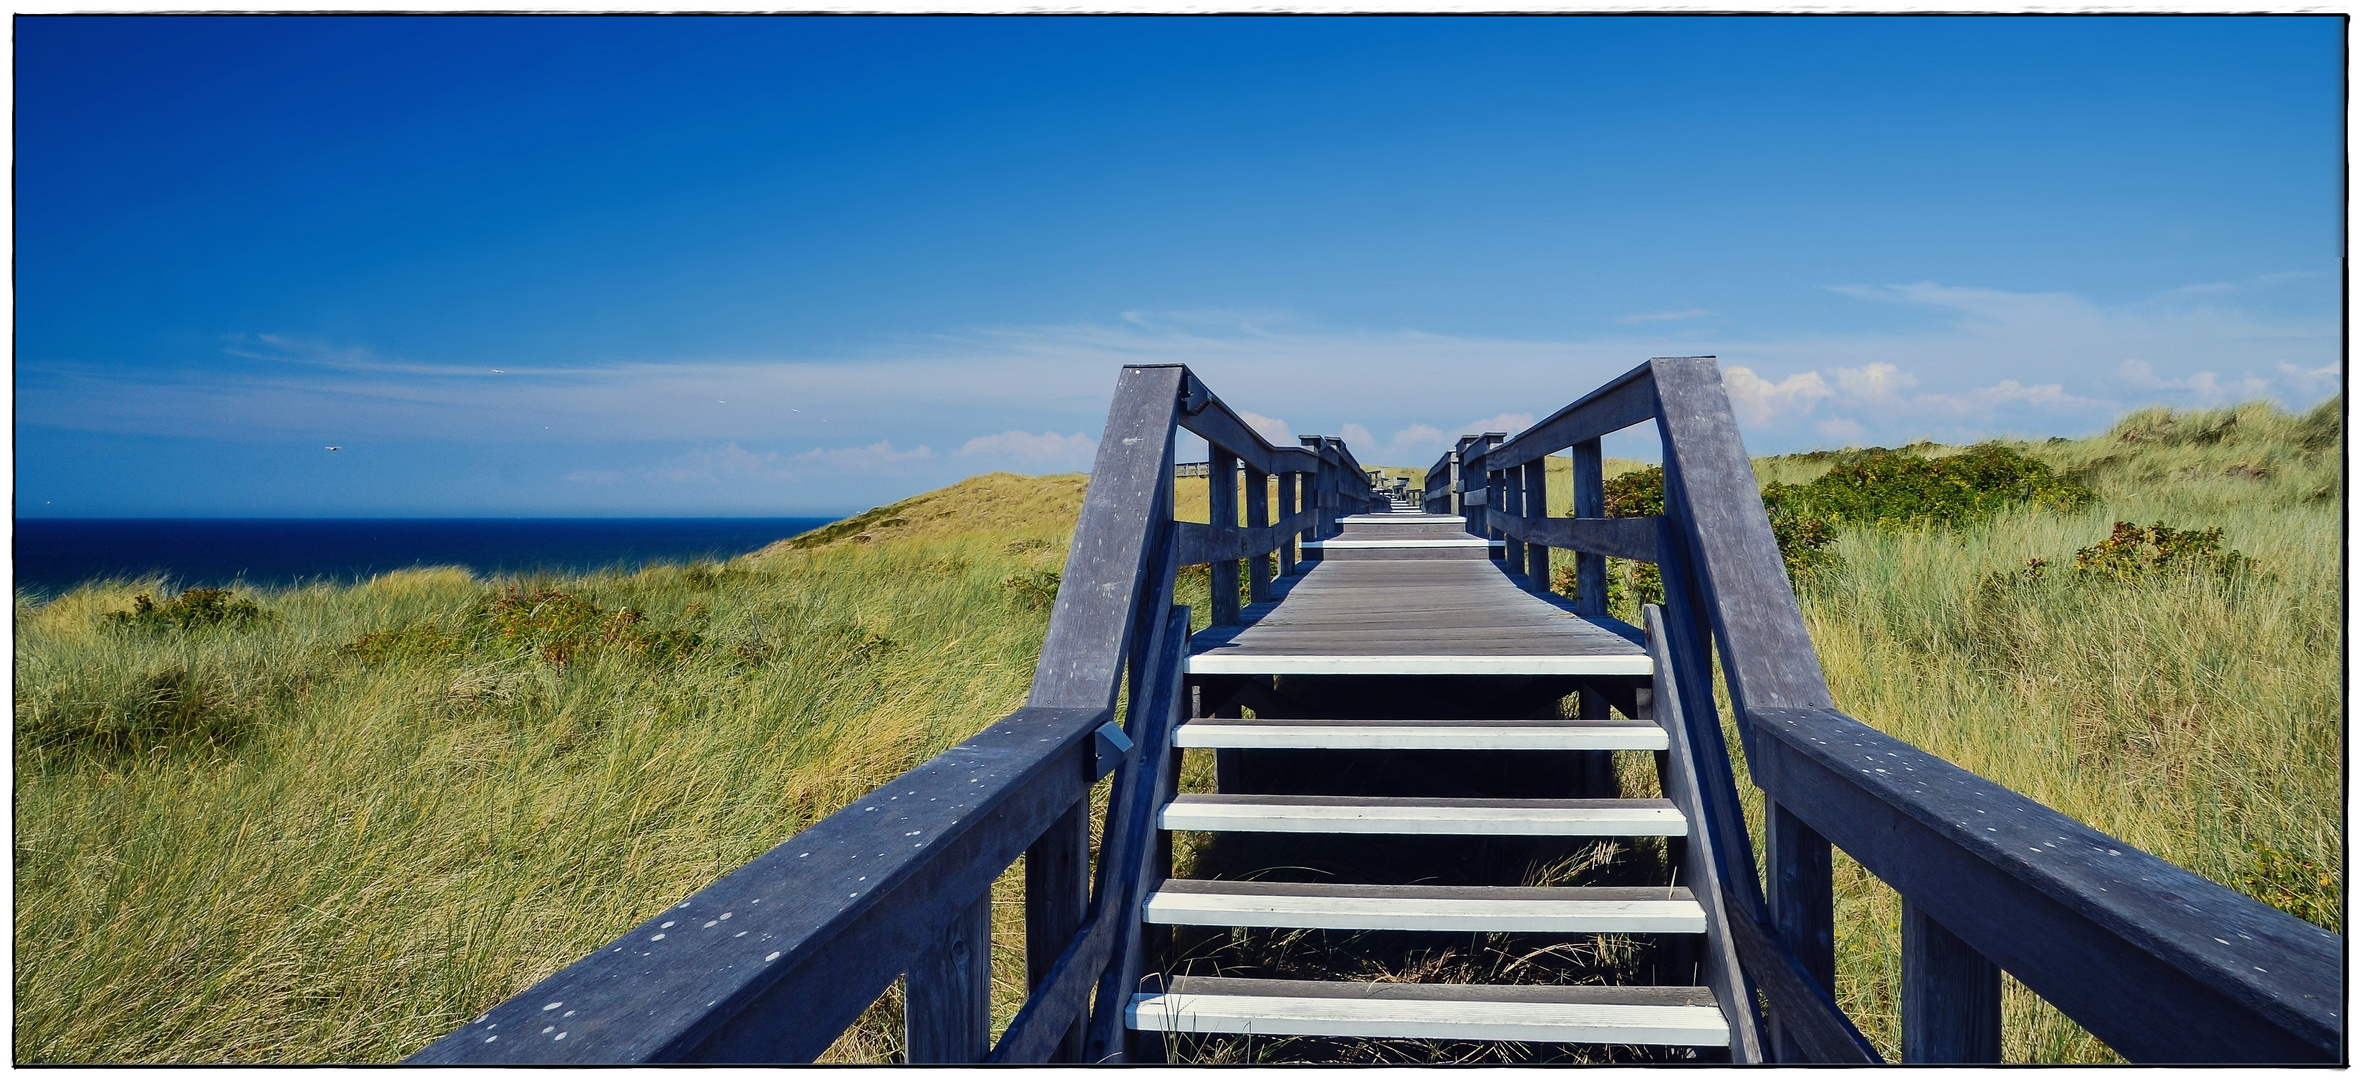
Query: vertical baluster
(1537, 506)
(1950, 996)
(1512, 505)
(1316, 492)
(1057, 889)
(1590, 501)
(1221, 492)
(1258, 516)
(1802, 886)
(1287, 509)
(947, 999)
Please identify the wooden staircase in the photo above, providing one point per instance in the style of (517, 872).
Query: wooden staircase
(1387, 777)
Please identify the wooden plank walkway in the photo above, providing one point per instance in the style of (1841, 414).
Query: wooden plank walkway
(1417, 617)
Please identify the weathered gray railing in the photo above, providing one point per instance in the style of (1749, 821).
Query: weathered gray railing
(2161, 964)
(772, 962)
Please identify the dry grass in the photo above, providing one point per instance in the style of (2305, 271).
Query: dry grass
(375, 852)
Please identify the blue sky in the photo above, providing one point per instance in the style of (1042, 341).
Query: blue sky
(780, 266)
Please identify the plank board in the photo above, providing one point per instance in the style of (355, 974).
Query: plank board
(1648, 1015)
(1422, 734)
(1422, 816)
(1417, 617)
(1499, 910)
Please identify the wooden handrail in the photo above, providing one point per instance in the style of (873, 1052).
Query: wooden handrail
(2160, 963)
(770, 962)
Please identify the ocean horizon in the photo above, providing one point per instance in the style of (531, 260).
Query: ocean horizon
(52, 555)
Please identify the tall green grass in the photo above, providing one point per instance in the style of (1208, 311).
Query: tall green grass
(288, 854)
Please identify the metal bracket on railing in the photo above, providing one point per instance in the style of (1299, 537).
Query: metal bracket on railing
(1194, 396)
(1109, 744)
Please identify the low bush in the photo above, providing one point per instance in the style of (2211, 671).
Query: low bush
(1895, 487)
(195, 609)
(2132, 554)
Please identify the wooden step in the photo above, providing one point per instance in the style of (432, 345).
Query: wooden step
(1421, 734)
(1352, 549)
(1422, 816)
(1645, 1015)
(1649, 910)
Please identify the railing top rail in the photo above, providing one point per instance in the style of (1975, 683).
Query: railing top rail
(1625, 400)
(814, 928)
(1206, 415)
(2159, 962)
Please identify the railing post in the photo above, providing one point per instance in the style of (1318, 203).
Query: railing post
(1258, 516)
(1590, 500)
(1802, 903)
(1221, 493)
(1950, 996)
(1537, 506)
(1287, 509)
(1057, 890)
(1315, 488)
(1495, 503)
(1451, 490)
(1512, 505)
(947, 1000)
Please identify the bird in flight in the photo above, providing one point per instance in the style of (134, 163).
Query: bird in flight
(335, 448)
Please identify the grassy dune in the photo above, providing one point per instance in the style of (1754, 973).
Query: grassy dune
(298, 855)
(260, 845)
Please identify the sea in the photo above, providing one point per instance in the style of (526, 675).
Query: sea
(55, 554)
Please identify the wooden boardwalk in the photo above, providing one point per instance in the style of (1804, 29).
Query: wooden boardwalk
(1416, 609)
(1411, 737)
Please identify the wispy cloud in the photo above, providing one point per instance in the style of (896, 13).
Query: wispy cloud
(865, 424)
(1663, 316)
(1023, 449)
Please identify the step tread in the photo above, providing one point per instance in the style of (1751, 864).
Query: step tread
(1228, 732)
(1426, 816)
(1494, 909)
(1662, 1015)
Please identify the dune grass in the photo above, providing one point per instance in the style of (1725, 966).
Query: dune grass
(252, 843)
(294, 854)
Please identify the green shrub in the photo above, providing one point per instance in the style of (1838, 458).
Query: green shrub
(1803, 537)
(2291, 883)
(560, 626)
(119, 709)
(1034, 590)
(2131, 554)
(1895, 487)
(195, 609)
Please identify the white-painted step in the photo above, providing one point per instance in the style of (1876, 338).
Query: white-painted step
(1237, 734)
(1422, 816)
(1644, 1015)
(1400, 542)
(1483, 909)
(1263, 663)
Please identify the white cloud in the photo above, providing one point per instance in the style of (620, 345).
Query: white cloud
(1275, 432)
(877, 458)
(1505, 423)
(1760, 401)
(1048, 450)
(2312, 382)
(1841, 430)
(1874, 382)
